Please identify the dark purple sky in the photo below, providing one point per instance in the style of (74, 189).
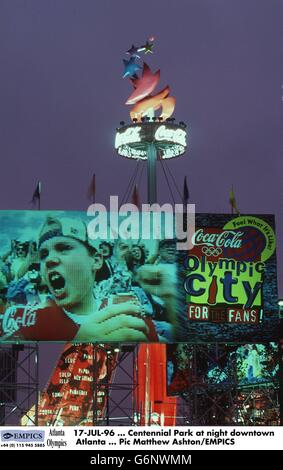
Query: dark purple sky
(62, 95)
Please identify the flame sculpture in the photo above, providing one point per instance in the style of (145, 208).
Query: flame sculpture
(144, 103)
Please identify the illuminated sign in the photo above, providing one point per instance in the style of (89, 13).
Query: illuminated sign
(77, 391)
(177, 136)
(230, 278)
(132, 141)
(173, 151)
(129, 136)
(129, 152)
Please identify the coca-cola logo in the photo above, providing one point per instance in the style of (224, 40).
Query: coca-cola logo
(225, 239)
(16, 318)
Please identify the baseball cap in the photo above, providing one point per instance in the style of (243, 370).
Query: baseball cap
(65, 227)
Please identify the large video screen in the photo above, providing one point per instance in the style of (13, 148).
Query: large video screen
(253, 364)
(66, 276)
(61, 282)
(257, 364)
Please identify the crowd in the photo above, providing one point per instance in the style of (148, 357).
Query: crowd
(64, 286)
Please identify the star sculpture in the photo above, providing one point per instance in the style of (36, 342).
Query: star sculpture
(131, 67)
(133, 51)
(146, 48)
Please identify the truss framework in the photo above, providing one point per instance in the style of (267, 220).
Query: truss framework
(208, 404)
(19, 386)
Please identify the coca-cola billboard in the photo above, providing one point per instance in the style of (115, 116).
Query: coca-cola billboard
(230, 279)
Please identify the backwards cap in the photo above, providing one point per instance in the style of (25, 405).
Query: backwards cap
(65, 227)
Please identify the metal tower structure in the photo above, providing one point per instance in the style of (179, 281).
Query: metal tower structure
(120, 385)
(152, 139)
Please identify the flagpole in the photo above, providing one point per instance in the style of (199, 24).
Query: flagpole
(151, 173)
(93, 188)
(151, 199)
(185, 193)
(232, 200)
(39, 195)
(36, 197)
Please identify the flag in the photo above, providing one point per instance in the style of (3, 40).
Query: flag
(186, 194)
(136, 197)
(36, 194)
(91, 189)
(233, 202)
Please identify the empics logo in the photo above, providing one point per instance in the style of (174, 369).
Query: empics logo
(7, 435)
(22, 436)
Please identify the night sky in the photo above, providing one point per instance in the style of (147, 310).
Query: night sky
(62, 96)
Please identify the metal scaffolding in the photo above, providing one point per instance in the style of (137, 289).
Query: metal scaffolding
(229, 403)
(19, 386)
(203, 404)
(120, 391)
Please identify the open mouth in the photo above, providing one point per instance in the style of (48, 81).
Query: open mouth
(57, 283)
